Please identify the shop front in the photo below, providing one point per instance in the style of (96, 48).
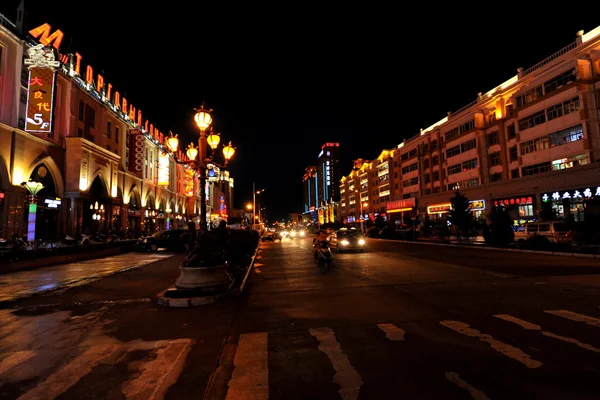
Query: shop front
(438, 212)
(567, 204)
(522, 209)
(401, 211)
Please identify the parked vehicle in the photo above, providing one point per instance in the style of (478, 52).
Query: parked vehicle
(162, 240)
(554, 231)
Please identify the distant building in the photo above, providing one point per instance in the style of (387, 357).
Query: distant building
(321, 186)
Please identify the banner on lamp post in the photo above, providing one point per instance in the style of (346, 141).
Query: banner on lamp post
(163, 169)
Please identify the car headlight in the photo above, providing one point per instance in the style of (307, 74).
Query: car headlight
(345, 242)
(361, 241)
(302, 233)
(293, 233)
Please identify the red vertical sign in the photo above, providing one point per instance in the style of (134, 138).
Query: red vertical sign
(136, 152)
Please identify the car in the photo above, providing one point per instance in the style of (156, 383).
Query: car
(349, 240)
(162, 240)
(268, 236)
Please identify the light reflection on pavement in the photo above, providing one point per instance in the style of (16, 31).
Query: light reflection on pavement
(21, 284)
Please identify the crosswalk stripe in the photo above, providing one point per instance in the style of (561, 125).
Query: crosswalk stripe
(345, 375)
(250, 378)
(60, 381)
(504, 348)
(152, 382)
(475, 393)
(593, 321)
(392, 332)
(15, 359)
(533, 327)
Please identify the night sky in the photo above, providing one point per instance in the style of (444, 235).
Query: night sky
(283, 81)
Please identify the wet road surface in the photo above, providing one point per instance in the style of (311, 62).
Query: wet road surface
(399, 321)
(16, 285)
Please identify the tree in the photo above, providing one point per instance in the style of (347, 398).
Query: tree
(500, 229)
(460, 214)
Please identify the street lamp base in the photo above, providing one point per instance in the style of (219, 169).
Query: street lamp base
(208, 280)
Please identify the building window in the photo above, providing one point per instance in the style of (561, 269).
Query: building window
(79, 132)
(532, 120)
(514, 173)
(564, 108)
(436, 175)
(454, 169)
(468, 145)
(435, 160)
(493, 139)
(526, 210)
(453, 134)
(453, 151)
(537, 168)
(108, 129)
(116, 134)
(496, 177)
(536, 144)
(469, 164)
(467, 126)
(92, 118)
(566, 136)
(81, 110)
(513, 154)
(511, 132)
(427, 178)
(495, 159)
(410, 168)
(530, 96)
(561, 80)
(434, 145)
(426, 163)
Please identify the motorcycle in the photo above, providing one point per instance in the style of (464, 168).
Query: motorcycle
(323, 254)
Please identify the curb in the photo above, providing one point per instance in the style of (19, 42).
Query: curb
(556, 253)
(204, 300)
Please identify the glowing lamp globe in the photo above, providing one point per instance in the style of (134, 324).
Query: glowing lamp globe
(173, 143)
(203, 118)
(191, 152)
(213, 140)
(228, 151)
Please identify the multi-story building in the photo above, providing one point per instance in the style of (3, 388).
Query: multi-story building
(103, 166)
(529, 144)
(320, 184)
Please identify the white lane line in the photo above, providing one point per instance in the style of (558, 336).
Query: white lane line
(506, 349)
(67, 376)
(593, 321)
(475, 393)
(150, 383)
(534, 327)
(15, 359)
(250, 378)
(345, 375)
(392, 332)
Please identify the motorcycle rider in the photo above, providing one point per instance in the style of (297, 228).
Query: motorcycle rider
(320, 237)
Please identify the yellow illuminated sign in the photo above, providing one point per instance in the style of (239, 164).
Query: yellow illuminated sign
(163, 169)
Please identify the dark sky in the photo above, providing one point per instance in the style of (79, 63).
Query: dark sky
(284, 80)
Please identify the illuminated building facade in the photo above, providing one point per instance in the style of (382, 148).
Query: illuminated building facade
(530, 144)
(104, 166)
(321, 191)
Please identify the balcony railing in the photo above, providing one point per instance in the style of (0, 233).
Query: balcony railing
(548, 60)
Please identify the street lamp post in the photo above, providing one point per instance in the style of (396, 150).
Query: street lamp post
(199, 277)
(33, 188)
(254, 193)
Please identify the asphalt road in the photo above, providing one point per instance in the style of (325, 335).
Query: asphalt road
(402, 320)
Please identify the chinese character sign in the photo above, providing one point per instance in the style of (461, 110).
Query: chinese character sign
(40, 100)
(189, 182)
(163, 169)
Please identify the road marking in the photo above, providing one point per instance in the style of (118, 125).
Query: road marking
(150, 383)
(250, 378)
(593, 321)
(475, 393)
(533, 327)
(15, 359)
(67, 376)
(345, 375)
(392, 332)
(506, 349)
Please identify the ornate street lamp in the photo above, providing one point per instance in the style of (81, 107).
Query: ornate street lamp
(33, 188)
(200, 277)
